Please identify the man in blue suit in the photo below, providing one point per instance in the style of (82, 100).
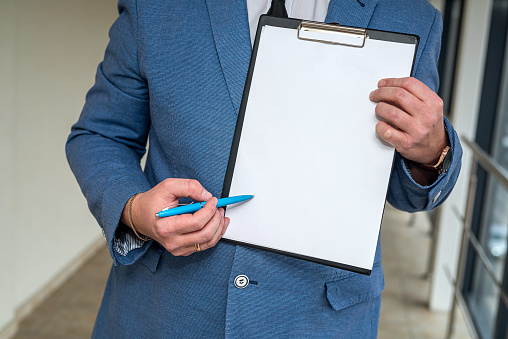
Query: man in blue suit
(174, 73)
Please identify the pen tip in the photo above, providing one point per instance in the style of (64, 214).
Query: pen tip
(156, 215)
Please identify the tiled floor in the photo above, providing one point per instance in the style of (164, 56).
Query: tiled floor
(70, 312)
(404, 311)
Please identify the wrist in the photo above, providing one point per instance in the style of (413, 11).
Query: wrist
(427, 174)
(440, 152)
(128, 217)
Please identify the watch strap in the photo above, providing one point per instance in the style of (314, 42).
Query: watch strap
(438, 167)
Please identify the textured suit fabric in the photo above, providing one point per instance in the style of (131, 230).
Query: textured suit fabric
(174, 72)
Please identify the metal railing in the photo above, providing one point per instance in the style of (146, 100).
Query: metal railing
(469, 239)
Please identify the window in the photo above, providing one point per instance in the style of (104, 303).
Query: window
(490, 216)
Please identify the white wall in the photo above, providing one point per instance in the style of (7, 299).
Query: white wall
(471, 63)
(7, 105)
(49, 50)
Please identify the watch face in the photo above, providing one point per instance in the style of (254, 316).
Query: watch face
(447, 161)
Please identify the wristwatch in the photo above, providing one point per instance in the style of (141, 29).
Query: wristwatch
(442, 165)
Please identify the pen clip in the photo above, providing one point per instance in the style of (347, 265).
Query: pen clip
(172, 206)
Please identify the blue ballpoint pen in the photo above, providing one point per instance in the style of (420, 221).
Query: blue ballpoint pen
(191, 208)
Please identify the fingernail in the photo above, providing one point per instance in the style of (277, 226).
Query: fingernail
(381, 83)
(371, 95)
(206, 195)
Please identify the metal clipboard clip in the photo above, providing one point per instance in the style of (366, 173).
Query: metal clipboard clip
(353, 37)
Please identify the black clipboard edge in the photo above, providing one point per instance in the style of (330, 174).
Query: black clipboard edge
(228, 178)
(334, 264)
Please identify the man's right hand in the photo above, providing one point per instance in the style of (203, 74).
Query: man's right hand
(178, 234)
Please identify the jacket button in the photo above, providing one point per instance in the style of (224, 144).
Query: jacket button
(241, 281)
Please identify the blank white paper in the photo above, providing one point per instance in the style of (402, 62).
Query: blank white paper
(309, 151)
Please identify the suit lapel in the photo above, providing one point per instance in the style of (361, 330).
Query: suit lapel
(351, 12)
(230, 27)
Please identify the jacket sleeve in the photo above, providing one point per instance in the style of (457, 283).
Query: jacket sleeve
(105, 146)
(403, 192)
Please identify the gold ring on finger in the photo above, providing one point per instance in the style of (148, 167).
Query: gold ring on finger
(197, 247)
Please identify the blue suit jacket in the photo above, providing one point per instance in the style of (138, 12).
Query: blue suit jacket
(174, 72)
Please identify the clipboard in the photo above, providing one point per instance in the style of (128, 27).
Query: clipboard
(305, 144)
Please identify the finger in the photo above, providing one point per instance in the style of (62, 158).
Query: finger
(394, 137)
(225, 228)
(205, 234)
(397, 96)
(188, 223)
(218, 232)
(185, 244)
(186, 188)
(395, 117)
(410, 84)
(185, 251)
(188, 250)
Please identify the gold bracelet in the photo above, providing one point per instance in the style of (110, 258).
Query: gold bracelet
(131, 200)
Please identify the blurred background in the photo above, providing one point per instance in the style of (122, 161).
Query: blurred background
(446, 271)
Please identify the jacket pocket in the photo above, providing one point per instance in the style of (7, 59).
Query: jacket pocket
(152, 256)
(355, 288)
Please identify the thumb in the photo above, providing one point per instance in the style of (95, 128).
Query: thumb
(187, 188)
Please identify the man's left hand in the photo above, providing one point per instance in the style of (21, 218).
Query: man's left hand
(412, 119)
